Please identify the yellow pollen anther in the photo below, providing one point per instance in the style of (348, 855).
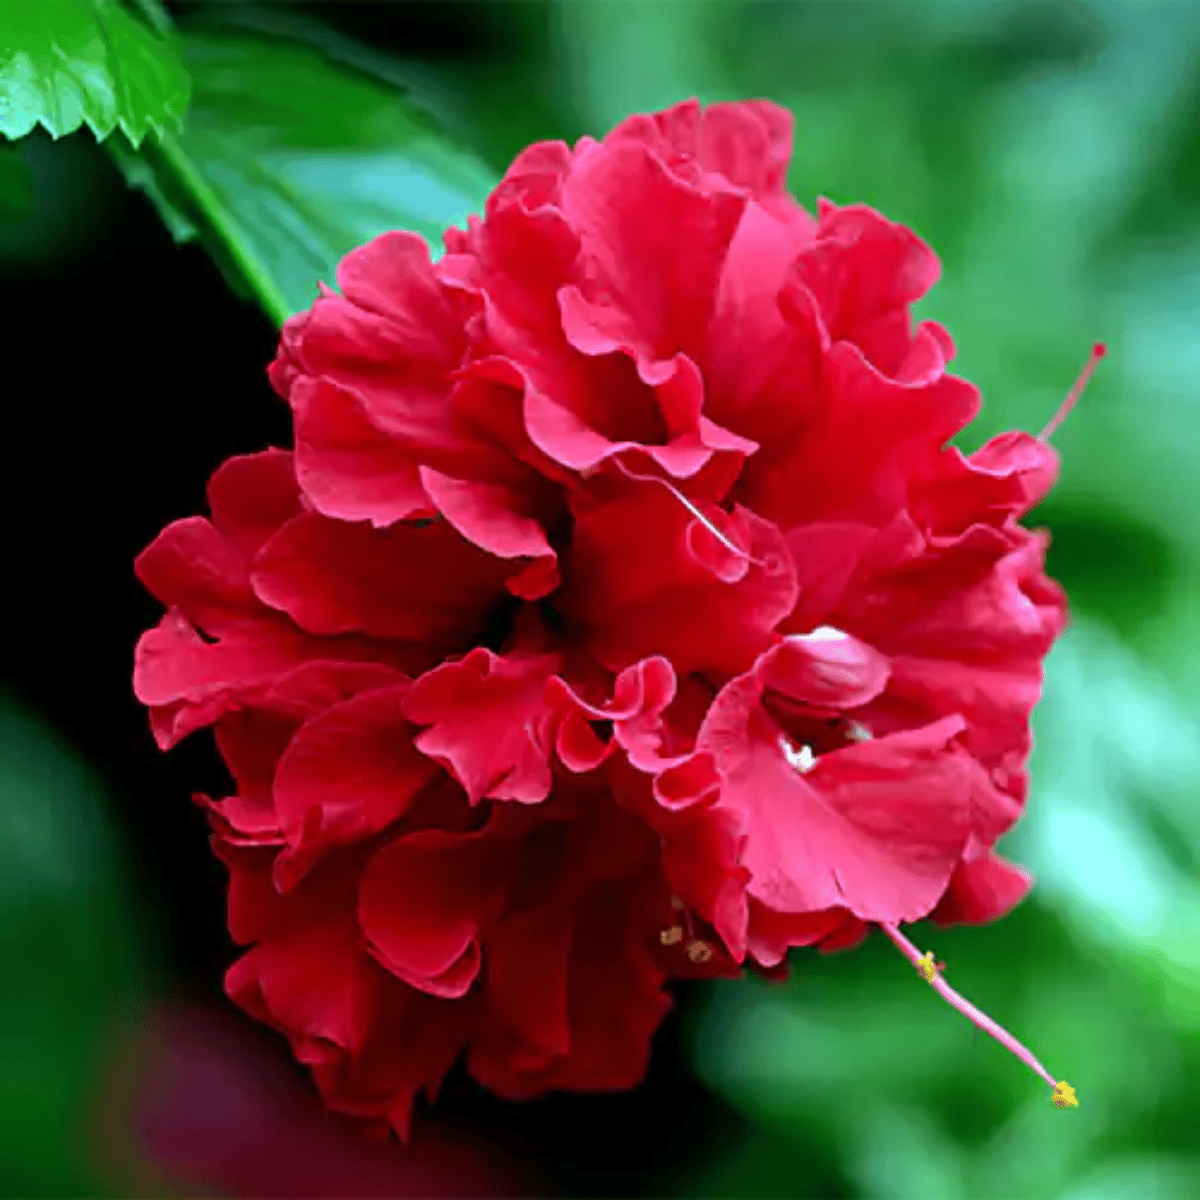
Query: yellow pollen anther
(926, 967)
(672, 936)
(1064, 1095)
(699, 952)
(677, 904)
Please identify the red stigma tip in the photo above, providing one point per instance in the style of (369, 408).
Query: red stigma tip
(1099, 350)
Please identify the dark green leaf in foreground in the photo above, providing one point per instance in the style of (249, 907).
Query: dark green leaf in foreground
(64, 63)
(70, 976)
(289, 161)
(16, 185)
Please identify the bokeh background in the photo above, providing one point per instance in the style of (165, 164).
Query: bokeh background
(1051, 155)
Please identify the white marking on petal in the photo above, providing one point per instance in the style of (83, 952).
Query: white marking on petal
(802, 760)
(824, 633)
(856, 731)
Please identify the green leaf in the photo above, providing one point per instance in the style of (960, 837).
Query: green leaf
(290, 161)
(74, 61)
(16, 185)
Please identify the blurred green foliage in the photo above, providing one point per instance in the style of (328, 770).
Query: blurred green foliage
(1051, 154)
(70, 973)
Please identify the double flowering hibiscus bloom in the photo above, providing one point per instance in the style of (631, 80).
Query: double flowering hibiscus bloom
(621, 615)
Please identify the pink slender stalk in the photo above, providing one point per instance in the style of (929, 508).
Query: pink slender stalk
(1099, 350)
(731, 546)
(1064, 1094)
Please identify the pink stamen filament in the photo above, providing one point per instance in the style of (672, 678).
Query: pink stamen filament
(968, 1010)
(687, 922)
(1099, 350)
(731, 546)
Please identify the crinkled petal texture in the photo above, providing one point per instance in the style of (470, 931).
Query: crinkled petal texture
(621, 615)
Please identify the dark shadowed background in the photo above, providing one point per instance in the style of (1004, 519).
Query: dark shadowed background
(1050, 153)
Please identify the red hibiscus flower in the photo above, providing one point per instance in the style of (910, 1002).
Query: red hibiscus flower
(621, 615)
